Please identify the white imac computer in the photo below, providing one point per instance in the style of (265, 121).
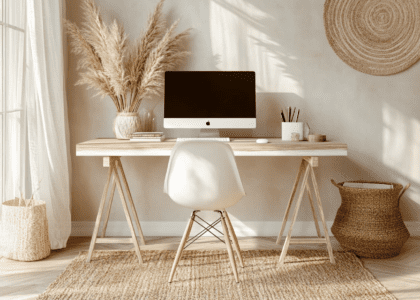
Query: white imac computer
(209, 100)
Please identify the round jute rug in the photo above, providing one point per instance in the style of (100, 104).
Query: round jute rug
(377, 37)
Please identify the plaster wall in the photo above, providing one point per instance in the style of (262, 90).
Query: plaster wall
(284, 42)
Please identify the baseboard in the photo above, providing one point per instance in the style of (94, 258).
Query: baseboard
(120, 228)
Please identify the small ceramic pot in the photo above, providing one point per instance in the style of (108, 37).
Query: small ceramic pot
(125, 124)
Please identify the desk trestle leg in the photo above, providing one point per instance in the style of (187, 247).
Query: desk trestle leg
(306, 167)
(114, 164)
(108, 210)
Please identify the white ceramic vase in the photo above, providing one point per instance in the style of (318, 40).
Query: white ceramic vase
(125, 124)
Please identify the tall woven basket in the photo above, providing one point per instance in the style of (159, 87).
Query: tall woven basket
(24, 231)
(369, 221)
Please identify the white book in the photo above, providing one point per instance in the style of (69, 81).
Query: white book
(366, 185)
(146, 134)
(148, 139)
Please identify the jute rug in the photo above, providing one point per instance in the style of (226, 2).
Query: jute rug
(307, 274)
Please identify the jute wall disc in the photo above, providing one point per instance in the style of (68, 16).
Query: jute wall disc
(378, 37)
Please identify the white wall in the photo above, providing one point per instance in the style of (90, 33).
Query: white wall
(284, 42)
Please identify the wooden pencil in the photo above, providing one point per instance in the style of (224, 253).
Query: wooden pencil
(282, 116)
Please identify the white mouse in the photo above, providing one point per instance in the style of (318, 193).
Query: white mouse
(262, 141)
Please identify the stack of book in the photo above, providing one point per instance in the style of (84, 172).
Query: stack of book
(147, 137)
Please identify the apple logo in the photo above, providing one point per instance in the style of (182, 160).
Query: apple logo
(208, 123)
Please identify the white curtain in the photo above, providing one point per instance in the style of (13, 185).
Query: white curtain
(12, 105)
(47, 116)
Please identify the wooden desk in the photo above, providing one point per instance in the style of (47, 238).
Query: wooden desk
(113, 149)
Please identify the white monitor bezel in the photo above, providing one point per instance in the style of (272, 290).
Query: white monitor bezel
(211, 123)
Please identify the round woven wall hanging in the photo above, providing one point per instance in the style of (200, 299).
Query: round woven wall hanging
(377, 37)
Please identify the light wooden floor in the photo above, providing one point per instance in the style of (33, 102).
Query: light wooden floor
(26, 280)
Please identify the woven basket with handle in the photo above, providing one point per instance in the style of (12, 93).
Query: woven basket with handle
(369, 221)
(24, 230)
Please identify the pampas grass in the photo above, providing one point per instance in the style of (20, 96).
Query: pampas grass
(126, 72)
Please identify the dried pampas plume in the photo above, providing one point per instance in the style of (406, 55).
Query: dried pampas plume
(126, 72)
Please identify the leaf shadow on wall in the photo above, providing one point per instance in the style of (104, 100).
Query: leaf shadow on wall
(253, 37)
(284, 42)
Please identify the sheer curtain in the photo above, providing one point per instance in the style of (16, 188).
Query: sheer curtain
(47, 115)
(12, 104)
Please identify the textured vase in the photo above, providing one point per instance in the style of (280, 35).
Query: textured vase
(125, 124)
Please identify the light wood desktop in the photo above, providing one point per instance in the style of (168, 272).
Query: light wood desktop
(112, 149)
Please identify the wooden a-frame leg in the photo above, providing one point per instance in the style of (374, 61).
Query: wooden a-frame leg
(127, 213)
(108, 209)
(311, 201)
(99, 216)
(229, 247)
(311, 163)
(321, 214)
(289, 205)
(130, 199)
(181, 246)
(289, 235)
(234, 238)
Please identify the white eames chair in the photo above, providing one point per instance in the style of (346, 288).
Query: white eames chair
(202, 175)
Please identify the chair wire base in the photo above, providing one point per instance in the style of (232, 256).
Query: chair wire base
(206, 229)
(228, 232)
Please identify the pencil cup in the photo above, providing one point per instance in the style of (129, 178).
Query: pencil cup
(287, 128)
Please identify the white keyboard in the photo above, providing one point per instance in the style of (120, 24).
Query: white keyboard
(219, 139)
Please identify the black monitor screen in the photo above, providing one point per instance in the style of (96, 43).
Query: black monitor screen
(213, 94)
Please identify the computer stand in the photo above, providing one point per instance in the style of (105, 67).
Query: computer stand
(209, 133)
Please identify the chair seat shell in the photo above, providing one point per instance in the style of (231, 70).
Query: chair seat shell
(203, 175)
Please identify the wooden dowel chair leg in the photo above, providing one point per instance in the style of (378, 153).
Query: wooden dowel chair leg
(234, 238)
(295, 213)
(289, 205)
(229, 247)
(181, 246)
(99, 216)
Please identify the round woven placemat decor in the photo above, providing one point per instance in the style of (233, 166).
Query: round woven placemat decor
(377, 37)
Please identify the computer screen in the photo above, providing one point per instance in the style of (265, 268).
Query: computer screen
(209, 99)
